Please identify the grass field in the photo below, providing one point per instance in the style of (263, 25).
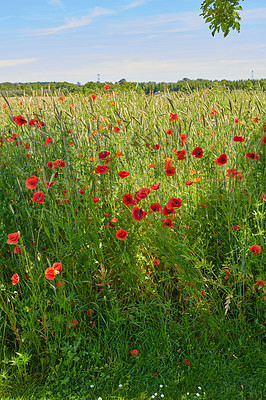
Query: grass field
(132, 246)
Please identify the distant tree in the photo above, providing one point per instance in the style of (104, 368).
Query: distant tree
(221, 14)
(121, 81)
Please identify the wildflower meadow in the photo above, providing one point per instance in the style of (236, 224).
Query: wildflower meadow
(132, 258)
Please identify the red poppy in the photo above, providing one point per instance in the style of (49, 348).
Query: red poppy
(123, 174)
(169, 132)
(154, 207)
(101, 169)
(239, 139)
(49, 185)
(264, 139)
(57, 266)
(170, 171)
(156, 262)
(121, 234)
(17, 249)
(260, 283)
(181, 154)
(155, 186)
(34, 122)
(103, 155)
(168, 210)
(107, 86)
(19, 120)
(134, 352)
(189, 183)
(50, 273)
(173, 117)
(256, 119)
(90, 312)
(263, 196)
(50, 164)
(188, 363)
(236, 120)
(255, 248)
(116, 129)
(27, 146)
(168, 222)
(221, 160)
(13, 238)
(173, 202)
(32, 182)
(252, 156)
(142, 194)
(231, 172)
(93, 97)
(59, 163)
(128, 200)
(48, 141)
(197, 152)
(138, 214)
(74, 323)
(155, 146)
(213, 112)
(61, 98)
(96, 199)
(15, 279)
(38, 197)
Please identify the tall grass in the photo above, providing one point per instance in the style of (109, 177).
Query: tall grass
(196, 314)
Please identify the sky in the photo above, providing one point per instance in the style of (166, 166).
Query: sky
(136, 40)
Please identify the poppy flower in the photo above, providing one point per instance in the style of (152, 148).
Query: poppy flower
(107, 86)
(173, 117)
(170, 171)
(155, 146)
(49, 185)
(19, 120)
(252, 156)
(156, 262)
(183, 138)
(221, 160)
(103, 155)
(138, 214)
(264, 139)
(168, 222)
(189, 183)
(128, 200)
(231, 172)
(50, 164)
(48, 141)
(168, 210)
(142, 194)
(263, 196)
(197, 152)
(50, 273)
(181, 154)
(96, 199)
(101, 169)
(17, 249)
(154, 207)
(123, 174)
(90, 312)
(155, 186)
(134, 352)
(57, 266)
(188, 363)
(256, 119)
(255, 248)
(59, 163)
(15, 279)
(213, 112)
(169, 132)
(239, 139)
(93, 97)
(32, 182)
(121, 234)
(34, 122)
(260, 283)
(116, 129)
(173, 202)
(74, 323)
(13, 238)
(38, 197)
(236, 120)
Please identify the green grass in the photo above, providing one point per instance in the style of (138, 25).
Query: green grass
(201, 303)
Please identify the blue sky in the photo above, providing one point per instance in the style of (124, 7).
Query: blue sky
(139, 40)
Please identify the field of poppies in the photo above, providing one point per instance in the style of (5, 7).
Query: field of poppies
(132, 245)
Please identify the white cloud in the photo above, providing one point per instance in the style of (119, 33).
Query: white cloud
(133, 4)
(19, 61)
(71, 23)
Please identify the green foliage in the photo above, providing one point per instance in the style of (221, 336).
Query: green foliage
(221, 14)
